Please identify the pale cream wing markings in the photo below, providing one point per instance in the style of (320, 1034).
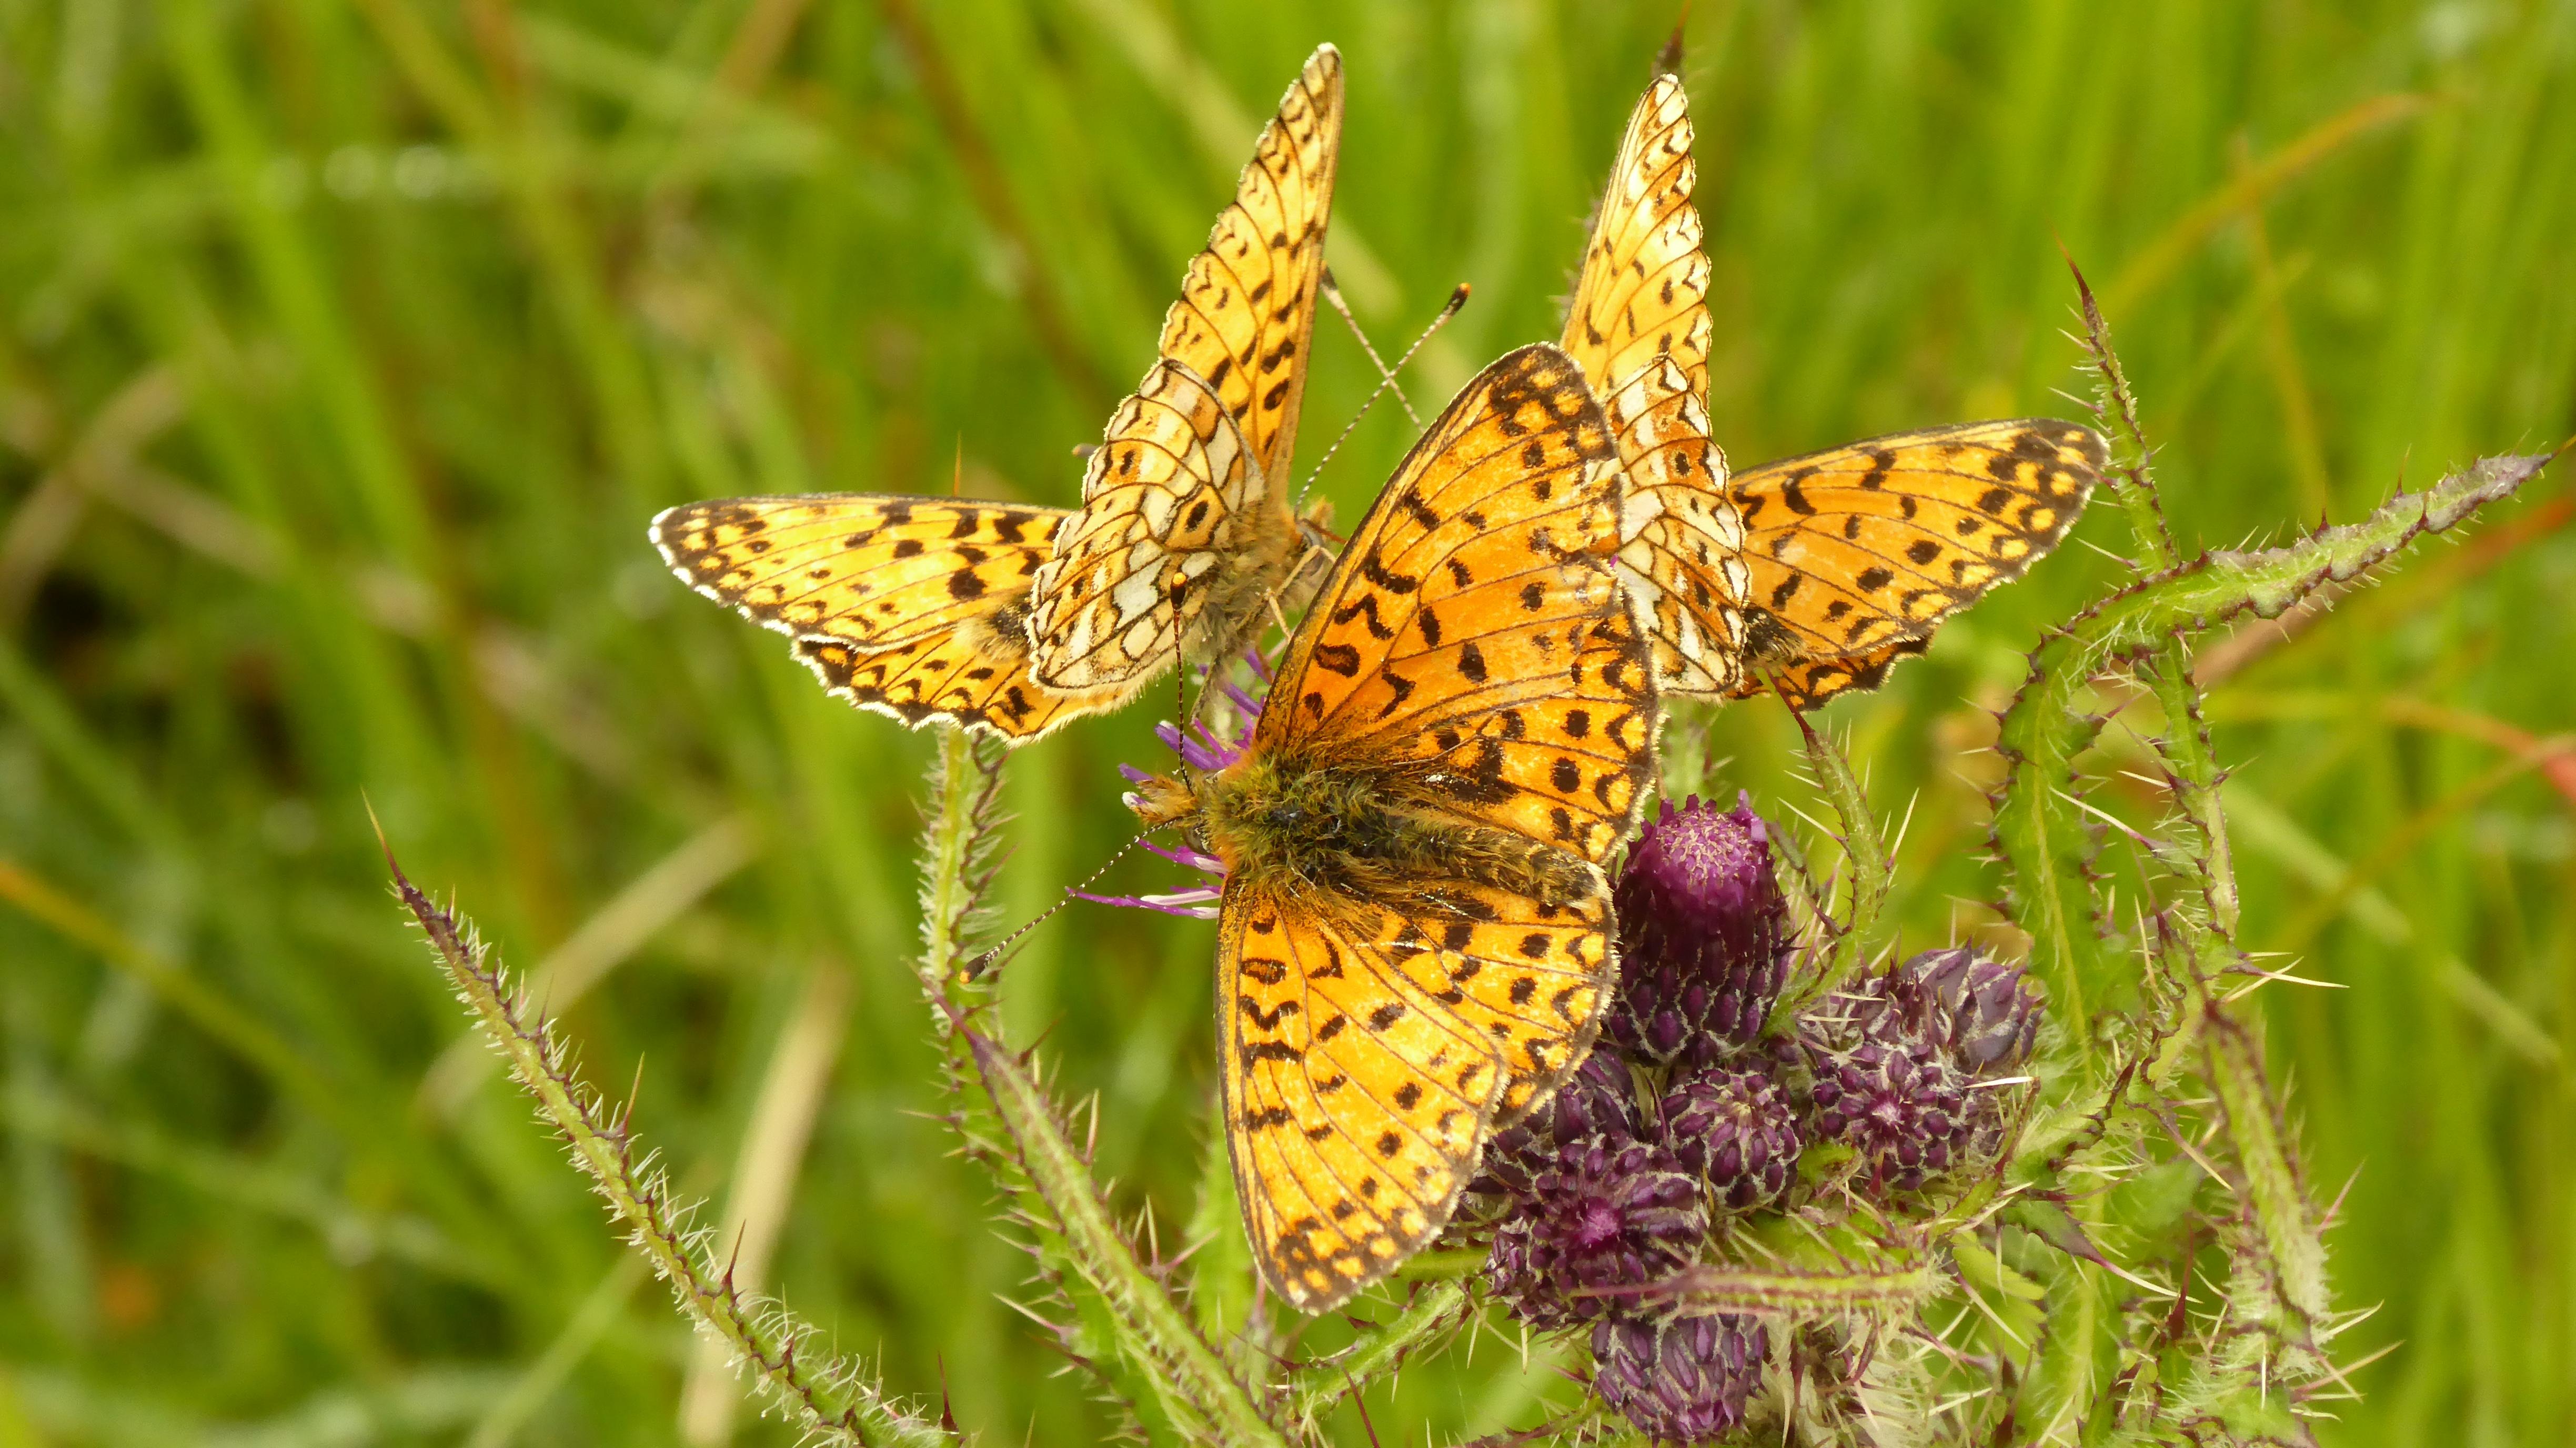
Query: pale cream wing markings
(1170, 499)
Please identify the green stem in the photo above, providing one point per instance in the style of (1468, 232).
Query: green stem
(1864, 852)
(1436, 1308)
(1163, 1363)
(827, 1397)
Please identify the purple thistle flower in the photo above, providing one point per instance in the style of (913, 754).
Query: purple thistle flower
(1704, 942)
(1204, 751)
(1683, 1380)
(1598, 1100)
(1736, 1130)
(1898, 1059)
(1601, 1222)
(1899, 1103)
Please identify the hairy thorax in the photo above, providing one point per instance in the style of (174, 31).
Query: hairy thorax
(1301, 826)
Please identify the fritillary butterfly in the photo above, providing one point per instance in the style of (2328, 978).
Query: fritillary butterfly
(1186, 533)
(1814, 574)
(1414, 941)
(1016, 618)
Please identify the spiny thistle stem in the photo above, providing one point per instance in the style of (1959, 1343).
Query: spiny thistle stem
(828, 1398)
(1436, 1309)
(1154, 1357)
(1864, 853)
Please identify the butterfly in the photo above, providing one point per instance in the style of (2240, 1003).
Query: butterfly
(1414, 939)
(1811, 575)
(1015, 618)
(1186, 537)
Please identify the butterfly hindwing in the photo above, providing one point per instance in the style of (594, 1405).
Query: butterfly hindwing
(1473, 662)
(1168, 534)
(1857, 554)
(912, 607)
(1354, 1103)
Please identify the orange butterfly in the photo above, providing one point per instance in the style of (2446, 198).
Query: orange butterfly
(1015, 618)
(1414, 937)
(1186, 534)
(1816, 573)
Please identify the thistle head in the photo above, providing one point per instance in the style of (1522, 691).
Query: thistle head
(1602, 1222)
(1736, 1130)
(1897, 1061)
(1704, 940)
(1684, 1380)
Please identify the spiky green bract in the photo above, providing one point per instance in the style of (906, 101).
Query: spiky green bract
(1129, 1328)
(830, 1398)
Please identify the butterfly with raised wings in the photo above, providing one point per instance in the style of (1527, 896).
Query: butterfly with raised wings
(1814, 574)
(1415, 938)
(1015, 618)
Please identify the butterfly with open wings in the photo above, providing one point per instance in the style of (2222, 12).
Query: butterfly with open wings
(1811, 575)
(1015, 618)
(1414, 940)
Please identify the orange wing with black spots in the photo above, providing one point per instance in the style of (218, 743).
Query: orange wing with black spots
(1185, 539)
(1472, 670)
(1247, 307)
(1639, 327)
(911, 607)
(1857, 554)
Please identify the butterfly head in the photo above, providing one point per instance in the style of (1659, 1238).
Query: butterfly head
(1159, 799)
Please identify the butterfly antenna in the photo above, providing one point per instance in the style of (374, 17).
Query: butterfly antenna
(1386, 380)
(957, 475)
(1386, 374)
(974, 969)
(1668, 61)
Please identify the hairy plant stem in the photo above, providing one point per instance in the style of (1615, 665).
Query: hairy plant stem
(1436, 1309)
(828, 1398)
(1153, 1355)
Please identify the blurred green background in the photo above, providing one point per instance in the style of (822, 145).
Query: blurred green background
(346, 348)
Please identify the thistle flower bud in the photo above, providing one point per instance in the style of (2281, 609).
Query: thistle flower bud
(1896, 1058)
(1681, 1381)
(1601, 1220)
(1981, 1010)
(1899, 1103)
(1598, 1100)
(1735, 1130)
(1703, 931)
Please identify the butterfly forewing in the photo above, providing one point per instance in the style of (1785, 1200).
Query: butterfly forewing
(1643, 292)
(1857, 554)
(1247, 307)
(912, 607)
(1473, 653)
(1639, 327)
